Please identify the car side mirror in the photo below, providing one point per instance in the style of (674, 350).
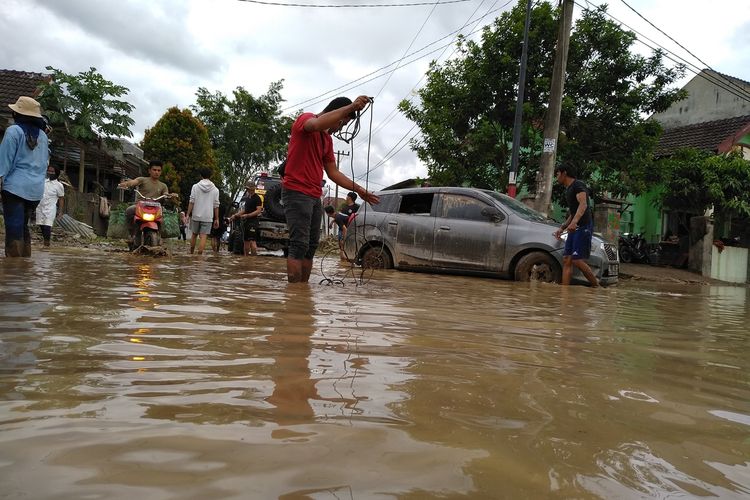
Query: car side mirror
(493, 214)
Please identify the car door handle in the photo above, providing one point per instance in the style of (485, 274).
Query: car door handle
(445, 228)
(393, 223)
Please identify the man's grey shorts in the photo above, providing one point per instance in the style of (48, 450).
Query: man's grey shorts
(303, 218)
(200, 227)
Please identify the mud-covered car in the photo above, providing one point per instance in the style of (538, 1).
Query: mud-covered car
(466, 231)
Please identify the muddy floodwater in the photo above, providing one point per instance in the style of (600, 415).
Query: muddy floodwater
(127, 377)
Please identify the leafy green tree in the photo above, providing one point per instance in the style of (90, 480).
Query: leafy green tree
(181, 141)
(89, 107)
(467, 107)
(695, 180)
(247, 132)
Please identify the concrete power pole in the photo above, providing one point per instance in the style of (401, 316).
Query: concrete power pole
(552, 120)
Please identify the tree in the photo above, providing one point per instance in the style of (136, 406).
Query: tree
(181, 141)
(247, 132)
(89, 108)
(695, 180)
(467, 106)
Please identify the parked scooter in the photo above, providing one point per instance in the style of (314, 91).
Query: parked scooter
(149, 218)
(633, 247)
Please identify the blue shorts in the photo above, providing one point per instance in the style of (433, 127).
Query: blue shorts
(578, 243)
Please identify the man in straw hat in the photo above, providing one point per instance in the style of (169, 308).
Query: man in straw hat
(24, 155)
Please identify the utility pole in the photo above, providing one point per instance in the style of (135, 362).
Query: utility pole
(552, 120)
(519, 106)
(339, 154)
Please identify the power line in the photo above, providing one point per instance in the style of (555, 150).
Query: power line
(349, 5)
(317, 99)
(390, 116)
(681, 46)
(682, 61)
(409, 47)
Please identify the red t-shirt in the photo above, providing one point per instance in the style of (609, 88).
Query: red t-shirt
(308, 152)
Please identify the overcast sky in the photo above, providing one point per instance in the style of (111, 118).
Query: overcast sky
(163, 50)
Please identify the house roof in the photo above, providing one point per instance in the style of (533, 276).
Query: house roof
(706, 136)
(17, 83)
(730, 77)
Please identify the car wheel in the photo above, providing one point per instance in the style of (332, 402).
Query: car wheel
(626, 255)
(377, 258)
(538, 266)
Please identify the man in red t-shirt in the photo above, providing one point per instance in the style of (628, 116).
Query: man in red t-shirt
(310, 153)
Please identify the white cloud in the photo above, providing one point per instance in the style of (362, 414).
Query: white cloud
(163, 51)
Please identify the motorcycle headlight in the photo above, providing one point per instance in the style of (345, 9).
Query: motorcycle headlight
(149, 217)
(564, 236)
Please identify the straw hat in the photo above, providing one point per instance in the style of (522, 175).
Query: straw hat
(27, 106)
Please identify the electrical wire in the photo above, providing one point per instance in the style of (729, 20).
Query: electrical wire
(350, 85)
(393, 113)
(349, 5)
(419, 31)
(668, 54)
(681, 46)
(360, 249)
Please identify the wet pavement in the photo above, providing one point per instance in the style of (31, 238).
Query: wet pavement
(210, 377)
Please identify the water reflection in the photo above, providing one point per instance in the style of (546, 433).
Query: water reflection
(213, 378)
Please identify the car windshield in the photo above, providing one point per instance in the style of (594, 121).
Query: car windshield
(519, 208)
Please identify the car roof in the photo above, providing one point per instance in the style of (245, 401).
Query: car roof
(437, 189)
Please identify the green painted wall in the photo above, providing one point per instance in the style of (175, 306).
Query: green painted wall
(643, 217)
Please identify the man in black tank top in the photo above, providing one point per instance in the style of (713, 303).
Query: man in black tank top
(579, 225)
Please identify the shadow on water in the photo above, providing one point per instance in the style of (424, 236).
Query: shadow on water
(212, 378)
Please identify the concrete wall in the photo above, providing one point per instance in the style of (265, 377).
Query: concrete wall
(730, 264)
(701, 245)
(607, 221)
(705, 102)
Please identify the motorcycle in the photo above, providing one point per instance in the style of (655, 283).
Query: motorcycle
(149, 218)
(633, 247)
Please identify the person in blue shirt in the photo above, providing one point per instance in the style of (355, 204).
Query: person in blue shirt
(24, 154)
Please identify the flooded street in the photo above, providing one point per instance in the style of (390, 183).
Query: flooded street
(129, 377)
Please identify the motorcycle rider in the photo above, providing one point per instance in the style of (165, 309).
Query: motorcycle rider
(149, 187)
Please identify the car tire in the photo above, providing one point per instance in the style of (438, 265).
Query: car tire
(377, 258)
(272, 205)
(538, 266)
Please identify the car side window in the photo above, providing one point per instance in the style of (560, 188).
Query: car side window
(416, 204)
(457, 206)
(388, 203)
